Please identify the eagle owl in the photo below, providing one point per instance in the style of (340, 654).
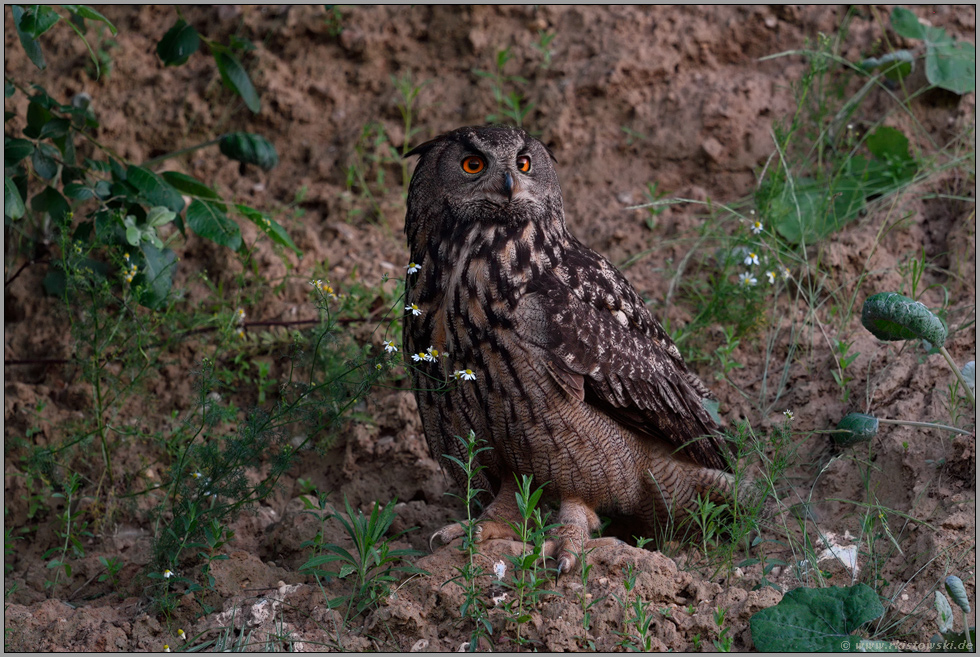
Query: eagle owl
(575, 382)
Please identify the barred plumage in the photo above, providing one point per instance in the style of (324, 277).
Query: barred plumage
(576, 382)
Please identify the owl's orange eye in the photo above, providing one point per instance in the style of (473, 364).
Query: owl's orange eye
(524, 163)
(473, 164)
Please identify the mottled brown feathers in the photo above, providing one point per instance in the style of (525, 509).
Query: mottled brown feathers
(576, 382)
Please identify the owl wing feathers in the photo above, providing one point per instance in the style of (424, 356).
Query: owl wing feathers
(606, 349)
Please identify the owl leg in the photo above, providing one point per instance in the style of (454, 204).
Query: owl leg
(493, 523)
(571, 540)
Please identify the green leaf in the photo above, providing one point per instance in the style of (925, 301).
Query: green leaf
(969, 372)
(249, 148)
(15, 150)
(957, 592)
(208, 221)
(44, 164)
(855, 428)
(154, 189)
(235, 77)
(270, 227)
(13, 204)
(159, 216)
(157, 275)
(31, 46)
(51, 202)
(906, 24)
(808, 211)
(944, 613)
(89, 13)
(190, 185)
(895, 65)
(178, 44)
(37, 117)
(815, 620)
(891, 316)
(952, 66)
(79, 191)
(886, 142)
(38, 20)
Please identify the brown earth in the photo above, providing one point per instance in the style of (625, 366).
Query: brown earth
(676, 95)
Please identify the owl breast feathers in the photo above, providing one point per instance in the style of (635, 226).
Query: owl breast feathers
(576, 382)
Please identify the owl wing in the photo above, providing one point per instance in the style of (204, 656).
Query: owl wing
(606, 349)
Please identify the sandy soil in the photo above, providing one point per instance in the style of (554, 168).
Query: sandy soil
(675, 95)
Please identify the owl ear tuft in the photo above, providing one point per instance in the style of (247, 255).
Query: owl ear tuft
(423, 148)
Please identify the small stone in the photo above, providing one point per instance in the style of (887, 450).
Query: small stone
(770, 22)
(713, 149)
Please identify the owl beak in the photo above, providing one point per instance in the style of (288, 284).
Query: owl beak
(509, 187)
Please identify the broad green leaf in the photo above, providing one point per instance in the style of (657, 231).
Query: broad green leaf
(234, 75)
(190, 185)
(952, 66)
(37, 118)
(969, 373)
(157, 275)
(816, 620)
(50, 201)
(132, 232)
(178, 44)
(957, 592)
(808, 211)
(159, 216)
(13, 204)
(208, 221)
(891, 316)
(855, 428)
(43, 161)
(87, 12)
(907, 24)
(32, 47)
(79, 191)
(888, 142)
(38, 20)
(15, 150)
(56, 127)
(154, 189)
(249, 148)
(270, 227)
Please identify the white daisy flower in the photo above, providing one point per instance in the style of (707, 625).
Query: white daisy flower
(747, 279)
(751, 259)
(413, 268)
(415, 310)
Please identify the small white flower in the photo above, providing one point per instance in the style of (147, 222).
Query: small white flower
(500, 569)
(240, 333)
(465, 375)
(240, 315)
(771, 275)
(180, 633)
(417, 357)
(789, 414)
(747, 279)
(167, 574)
(413, 268)
(166, 648)
(785, 273)
(377, 366)
(390, 346)
(752, 213)
(415, 310)
(756, 227)
(751, 259)
(196, 475)
(316, 283)
(433, 353)
(850, 126)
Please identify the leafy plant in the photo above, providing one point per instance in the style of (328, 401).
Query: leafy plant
(891, 316)
(373, 563)
(510, 105)
(817, 620)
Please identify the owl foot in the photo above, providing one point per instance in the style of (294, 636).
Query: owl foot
(485, 530)
(571, 541)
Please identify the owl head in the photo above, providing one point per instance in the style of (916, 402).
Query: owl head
(489, 175)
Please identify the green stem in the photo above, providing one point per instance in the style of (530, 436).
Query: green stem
(959, 375)
(182, 151)
(928, 425)
(966, 632)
